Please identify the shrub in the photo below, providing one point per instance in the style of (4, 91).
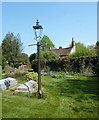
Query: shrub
(47, 69)
(97, 69)
(30, 70)
(84, 64)
(55, 75)
(20, 74)
(88, 71)
(35, 65)
(32, 76)
(3, 62)
(11, 65)
(76, 65)
(16, 74)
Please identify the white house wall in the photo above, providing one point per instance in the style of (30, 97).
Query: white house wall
(73, 50)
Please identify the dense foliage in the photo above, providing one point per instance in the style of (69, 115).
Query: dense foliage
(16, 74)
(49, 56)
(32, 76)
(11, 47)
(84, 64)
(45, 56)
(97, 48)
(84, 60)
(32, 57)
(23, 58)
(87, 65)
(97, 43)
(3, 62)
(82, 50)
(11, 50)
(46, 43)
(0, 55)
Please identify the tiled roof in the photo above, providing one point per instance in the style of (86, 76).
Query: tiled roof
(63, 51)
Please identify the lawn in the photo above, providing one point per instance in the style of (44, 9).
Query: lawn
(74, 97)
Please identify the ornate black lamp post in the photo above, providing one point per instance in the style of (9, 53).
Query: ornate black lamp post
(38, 30)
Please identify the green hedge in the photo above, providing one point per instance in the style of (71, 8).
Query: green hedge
(78, 65)
(82, 63)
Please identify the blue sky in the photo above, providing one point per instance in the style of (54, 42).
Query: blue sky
(60, 20)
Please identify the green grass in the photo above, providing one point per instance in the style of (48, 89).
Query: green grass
(63, 98)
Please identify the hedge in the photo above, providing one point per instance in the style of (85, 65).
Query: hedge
(78, 65)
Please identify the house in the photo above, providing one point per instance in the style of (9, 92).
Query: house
(63, 52)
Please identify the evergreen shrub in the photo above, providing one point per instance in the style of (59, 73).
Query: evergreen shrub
(32, 76)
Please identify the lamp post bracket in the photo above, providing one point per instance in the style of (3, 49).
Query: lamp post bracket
(32, 44)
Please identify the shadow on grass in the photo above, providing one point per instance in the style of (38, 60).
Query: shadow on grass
(79, 86)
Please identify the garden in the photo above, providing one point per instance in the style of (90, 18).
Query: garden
(63, 97)
(69, 84)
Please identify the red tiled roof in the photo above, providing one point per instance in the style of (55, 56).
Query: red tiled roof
(62, 51)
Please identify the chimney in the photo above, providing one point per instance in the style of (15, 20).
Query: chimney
(73, 42)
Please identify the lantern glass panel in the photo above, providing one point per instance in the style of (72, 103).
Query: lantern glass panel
(38, 33)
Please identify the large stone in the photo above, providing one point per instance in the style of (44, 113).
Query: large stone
(27, 88)
(7, 83)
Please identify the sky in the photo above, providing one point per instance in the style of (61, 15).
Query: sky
(60, 20)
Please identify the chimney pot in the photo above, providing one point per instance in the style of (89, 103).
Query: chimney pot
(72, 39)
(73, 43)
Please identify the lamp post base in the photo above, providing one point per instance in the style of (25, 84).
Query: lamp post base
(40, 93)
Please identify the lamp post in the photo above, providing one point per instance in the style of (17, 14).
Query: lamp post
(38, 31)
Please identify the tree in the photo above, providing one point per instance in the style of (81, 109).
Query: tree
(32, 57)
(82, 50)
(97, 43)
(97, 48)
(0, 55)
(11, 47)
(3, 62)
(45, 54)
(45, 57)
(49, 56)
(23, 58)
(46, 43)
(60, 47)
